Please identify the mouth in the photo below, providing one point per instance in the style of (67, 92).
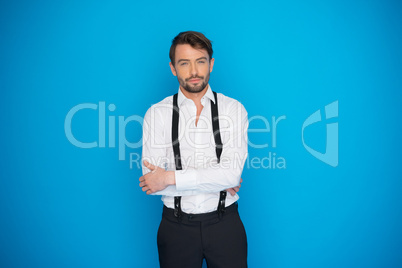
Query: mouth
(194, 80)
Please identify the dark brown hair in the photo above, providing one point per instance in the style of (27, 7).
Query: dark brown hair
(194, 39)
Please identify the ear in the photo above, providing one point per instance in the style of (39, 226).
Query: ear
(172, 68)
(211, 64)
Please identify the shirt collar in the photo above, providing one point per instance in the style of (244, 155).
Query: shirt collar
(181, 98)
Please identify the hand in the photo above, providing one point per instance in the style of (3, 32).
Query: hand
(234, 190)
(156, 180)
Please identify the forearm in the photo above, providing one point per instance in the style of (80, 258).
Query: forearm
(215, 178)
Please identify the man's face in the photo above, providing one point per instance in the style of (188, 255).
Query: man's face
(192, 68)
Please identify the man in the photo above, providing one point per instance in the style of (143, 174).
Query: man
(194, 149)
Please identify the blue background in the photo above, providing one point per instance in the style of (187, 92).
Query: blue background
(64, 206)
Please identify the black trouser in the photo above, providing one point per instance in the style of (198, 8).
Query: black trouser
(221, 240)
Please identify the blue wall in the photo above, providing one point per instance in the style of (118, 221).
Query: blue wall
(65, 206)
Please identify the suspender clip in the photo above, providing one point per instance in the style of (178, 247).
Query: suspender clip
(221, 204)
(177, 208)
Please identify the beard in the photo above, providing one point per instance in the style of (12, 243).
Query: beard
(193, 88)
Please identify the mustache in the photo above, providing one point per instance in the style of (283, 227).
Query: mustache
(199, 77)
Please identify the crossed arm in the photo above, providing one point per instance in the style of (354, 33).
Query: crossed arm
(158, 179)
(225, 175)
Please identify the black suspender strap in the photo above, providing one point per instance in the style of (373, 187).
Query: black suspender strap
(215, 127)
(176, 150)
(218, 147)
(175, 133)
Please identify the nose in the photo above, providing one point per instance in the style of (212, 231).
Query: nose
(193, 70)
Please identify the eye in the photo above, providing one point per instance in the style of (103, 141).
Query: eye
(201, 61)
(183, 63)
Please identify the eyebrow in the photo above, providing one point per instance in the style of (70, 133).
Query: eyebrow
(202, 58)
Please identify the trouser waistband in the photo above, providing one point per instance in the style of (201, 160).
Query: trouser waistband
(169, 214)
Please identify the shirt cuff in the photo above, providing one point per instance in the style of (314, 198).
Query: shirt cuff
(186, 179)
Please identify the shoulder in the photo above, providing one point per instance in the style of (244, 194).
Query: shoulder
(160, 110)
(230, 105)
(164, 104)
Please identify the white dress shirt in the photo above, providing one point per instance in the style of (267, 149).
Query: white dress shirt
(202, 178)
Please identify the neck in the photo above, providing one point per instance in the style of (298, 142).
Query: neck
(196, 97)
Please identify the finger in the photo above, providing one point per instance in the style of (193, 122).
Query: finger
(149, 192)
(149, 165)
(241, 180)
(142, 178)
(142, 184)
(236, 189)
(231, 191)
(145, 188)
